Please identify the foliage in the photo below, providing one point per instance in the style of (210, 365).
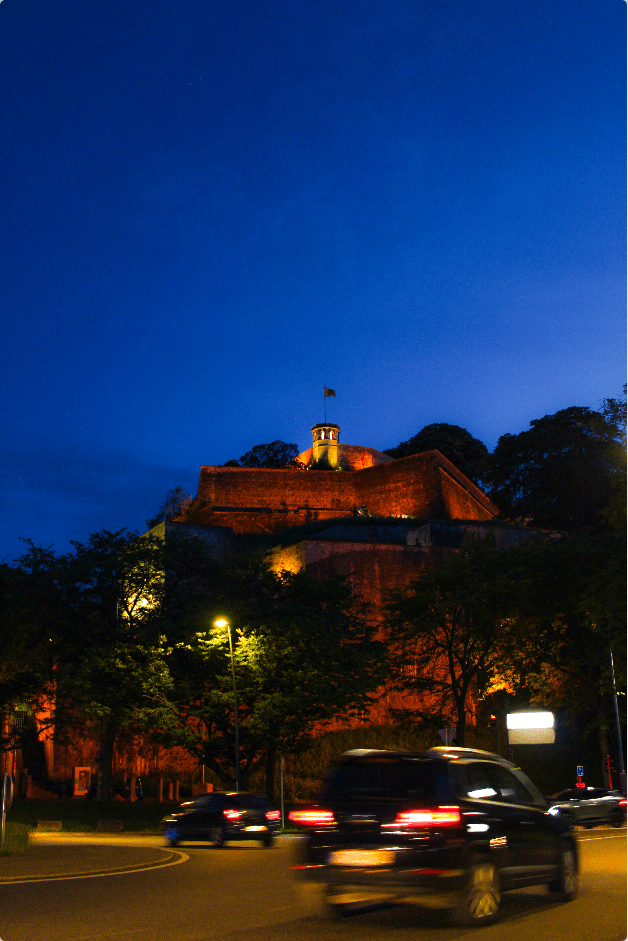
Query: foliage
(104, 615)
(468, 454)
(16, 837)
(26, 651)
(560, 473)
(83, 815)
(577, 601)
(173, 507)
(277, 454)
(302, 657)
(451, 630)
(614, 410)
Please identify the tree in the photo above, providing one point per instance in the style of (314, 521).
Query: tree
(26, 648)
(561, 473)
(465, 452)
(276, 454)
(105, 615)
(302, 657)
(576, 606)
(173, 507)
(450, 632)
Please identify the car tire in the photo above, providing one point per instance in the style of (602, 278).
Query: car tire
(173, 838)
(479, 901)
(617, 818)
(566, 886)
(268, 841)
(217, 837)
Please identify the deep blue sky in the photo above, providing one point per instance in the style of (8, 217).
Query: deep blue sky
(212, 208)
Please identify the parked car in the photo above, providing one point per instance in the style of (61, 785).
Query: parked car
(590, 806)
(221, 817)
(449, 827)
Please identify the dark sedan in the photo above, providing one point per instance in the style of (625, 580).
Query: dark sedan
(220, 818)
(588, 807)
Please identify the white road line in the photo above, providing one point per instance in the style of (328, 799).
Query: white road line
(99, 875)
(611, 836)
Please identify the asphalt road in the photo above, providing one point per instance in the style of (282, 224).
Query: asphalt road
(246, 893)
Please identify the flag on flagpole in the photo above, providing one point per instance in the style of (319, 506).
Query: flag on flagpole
(329, 392)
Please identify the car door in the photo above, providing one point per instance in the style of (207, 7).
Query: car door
(530, 827)
(199, 821)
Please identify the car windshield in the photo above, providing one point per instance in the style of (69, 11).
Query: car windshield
(386, 779)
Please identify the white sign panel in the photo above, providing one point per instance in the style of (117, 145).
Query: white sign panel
(530, 728)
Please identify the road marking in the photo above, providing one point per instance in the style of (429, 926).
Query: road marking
(183, 857)
(611, 836)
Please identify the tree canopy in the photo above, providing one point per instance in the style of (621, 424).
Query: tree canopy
(465, 452)
(450, 632)
(276, 454)
(173, 507)
(562, 472)
(302, 658)
(103, 616)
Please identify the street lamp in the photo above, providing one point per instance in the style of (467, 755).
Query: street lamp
(222, 623)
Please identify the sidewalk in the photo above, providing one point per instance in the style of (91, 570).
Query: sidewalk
(58, 856)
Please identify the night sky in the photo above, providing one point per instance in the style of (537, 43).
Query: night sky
(213, 208)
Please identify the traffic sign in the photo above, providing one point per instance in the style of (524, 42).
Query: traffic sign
(447, 735)
(580, 770)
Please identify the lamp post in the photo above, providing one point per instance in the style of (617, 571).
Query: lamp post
(222, 623)
(620, 750)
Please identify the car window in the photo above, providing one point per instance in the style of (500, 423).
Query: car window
(567, 796)
(383, 779)
(530, 786)
(509, 788)
(249, 802)
(472, 781)
(204, 802)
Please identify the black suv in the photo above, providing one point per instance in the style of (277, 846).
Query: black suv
(221, 817)
(447, 828)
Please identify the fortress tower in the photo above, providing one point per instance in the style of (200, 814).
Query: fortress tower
(325, 447)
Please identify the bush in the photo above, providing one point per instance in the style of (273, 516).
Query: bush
(15, 839)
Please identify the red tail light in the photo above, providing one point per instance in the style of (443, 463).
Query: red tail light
(313, 818)
(622, 802)
(273, 815)
(434, 817)
(232, 814)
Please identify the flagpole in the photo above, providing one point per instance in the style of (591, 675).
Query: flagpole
(325, 405)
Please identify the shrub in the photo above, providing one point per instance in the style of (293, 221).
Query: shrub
(15, 839)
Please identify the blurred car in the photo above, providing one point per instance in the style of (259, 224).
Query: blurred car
(449, 828)
(588, 807)
(222, 817)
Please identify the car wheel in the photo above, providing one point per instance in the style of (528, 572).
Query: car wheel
(617, 818)
(479, 901)
(268, 840)
(566, 886)
(173, 837)
(217, 836)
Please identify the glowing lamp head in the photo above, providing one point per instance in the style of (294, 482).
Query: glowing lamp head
(221, 622)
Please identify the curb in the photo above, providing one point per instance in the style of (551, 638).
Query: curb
(82, 874)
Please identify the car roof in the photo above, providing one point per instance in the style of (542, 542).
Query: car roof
(440, 751)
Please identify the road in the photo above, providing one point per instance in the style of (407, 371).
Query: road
(246, 893)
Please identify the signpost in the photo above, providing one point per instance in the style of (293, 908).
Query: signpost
(580, 774)
(282, 767)
(6, 799)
